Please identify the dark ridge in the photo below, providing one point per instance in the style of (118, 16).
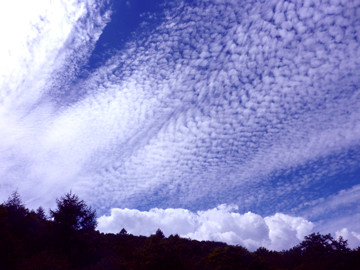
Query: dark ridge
(68, 240)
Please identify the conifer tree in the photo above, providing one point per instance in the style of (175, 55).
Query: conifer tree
(73, 213)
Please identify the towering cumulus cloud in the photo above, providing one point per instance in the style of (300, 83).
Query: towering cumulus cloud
(187, 105)
(219, 224)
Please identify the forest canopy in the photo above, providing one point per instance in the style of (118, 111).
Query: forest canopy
(67, 239)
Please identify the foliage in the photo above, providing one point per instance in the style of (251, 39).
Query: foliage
(16, 209)
(159, 234)
(230, 257)
(123, 232)
(316, 244)
(41, 213)
(73, 213)
(28, 240)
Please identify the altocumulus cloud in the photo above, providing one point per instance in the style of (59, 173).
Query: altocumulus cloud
(276, 232)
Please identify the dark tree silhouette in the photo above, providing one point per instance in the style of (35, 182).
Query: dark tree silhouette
(123, 232)
(159, 234)
(68, 241)
(73, 213)
(15, 204)
(324, 244)
(40, 212)
(320, 251)
(17, 212)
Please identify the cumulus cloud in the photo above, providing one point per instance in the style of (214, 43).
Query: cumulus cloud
(353, 238)
(223, 224)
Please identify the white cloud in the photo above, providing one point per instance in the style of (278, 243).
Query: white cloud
(335, 203)
(275, 232)
(203, 109)
(42, 44)
(37, 40)
(285, 231)
(352, 237)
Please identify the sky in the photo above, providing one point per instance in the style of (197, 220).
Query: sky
(221, 120)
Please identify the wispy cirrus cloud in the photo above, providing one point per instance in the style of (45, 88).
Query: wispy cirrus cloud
(322, 206)
(42, 45)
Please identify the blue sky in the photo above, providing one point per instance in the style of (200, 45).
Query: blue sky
(186, 115)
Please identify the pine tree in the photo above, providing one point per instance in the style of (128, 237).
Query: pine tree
(73, 213)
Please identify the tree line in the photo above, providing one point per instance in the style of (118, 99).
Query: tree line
(68, 239)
